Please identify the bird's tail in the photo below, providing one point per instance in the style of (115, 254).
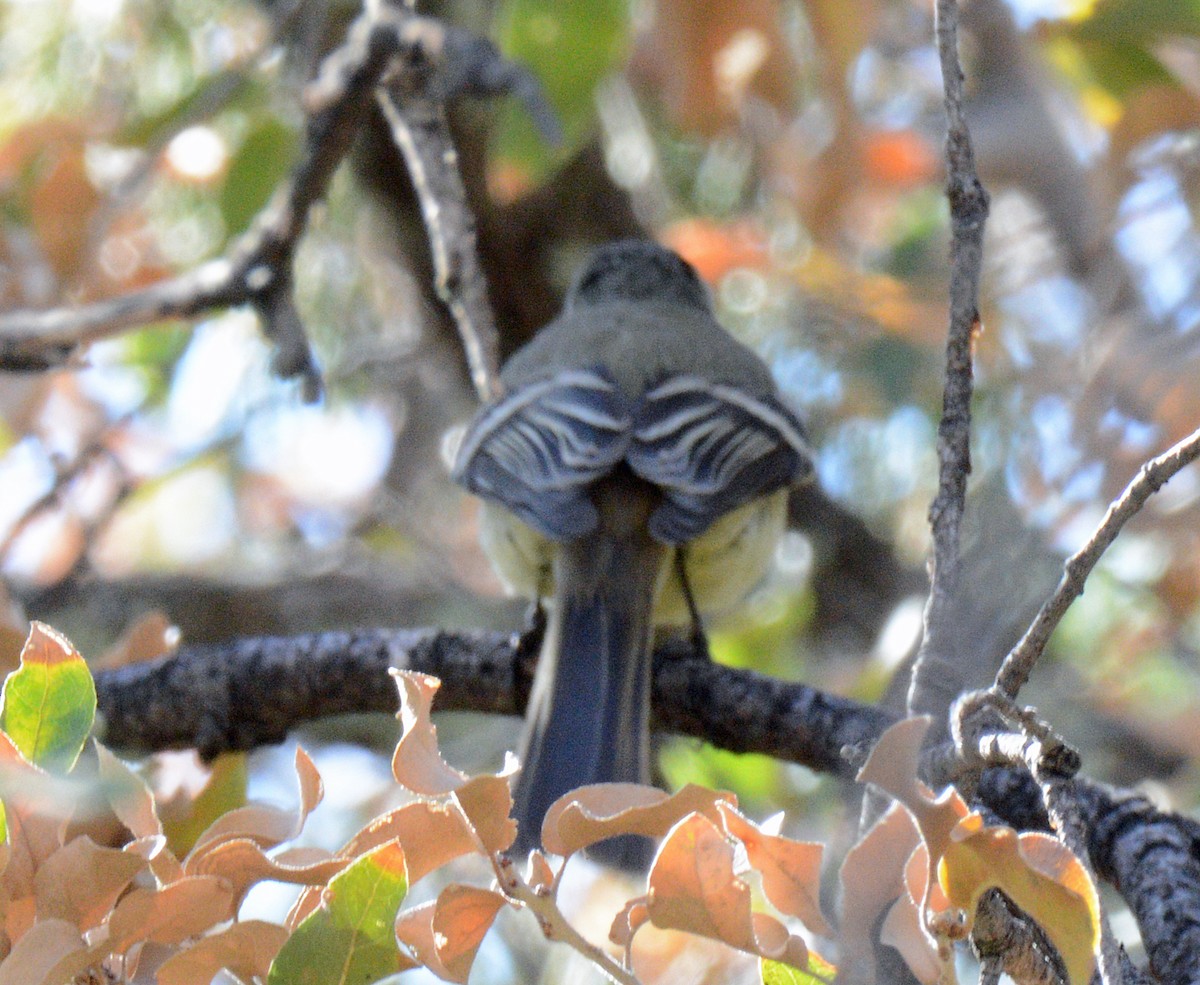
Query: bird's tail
(588, 719)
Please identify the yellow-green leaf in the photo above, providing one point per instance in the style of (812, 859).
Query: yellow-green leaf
(49, 702)
(1039, 874)
(224, 791)
(350, 938)
(819, 972)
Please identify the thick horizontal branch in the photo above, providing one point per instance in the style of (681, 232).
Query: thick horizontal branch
(251, 692)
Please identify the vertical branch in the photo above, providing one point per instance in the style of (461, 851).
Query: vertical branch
(935, 683)
(417, 118)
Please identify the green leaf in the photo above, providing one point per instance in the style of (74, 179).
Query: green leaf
(819, 972)
(350, 939)
(1139, 20)
(49, 702)
(224, 792)
(570, 47)
(254, 172)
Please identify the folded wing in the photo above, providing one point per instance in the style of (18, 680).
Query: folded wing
(711, 448)
(537, 450)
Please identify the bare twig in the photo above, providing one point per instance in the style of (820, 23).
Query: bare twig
(935, 681)
(421, 132)
(257, 269)
(1019, 664)
(411, 51)
(554, 924)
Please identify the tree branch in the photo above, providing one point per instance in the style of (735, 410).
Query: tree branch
(1019, 664)
(412, 51)
(935, 681)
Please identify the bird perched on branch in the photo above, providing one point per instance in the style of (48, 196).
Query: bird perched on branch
(634, 474)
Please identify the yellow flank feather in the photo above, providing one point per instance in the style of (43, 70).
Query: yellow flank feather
(724, 564)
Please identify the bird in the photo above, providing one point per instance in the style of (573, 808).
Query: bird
(634, 475)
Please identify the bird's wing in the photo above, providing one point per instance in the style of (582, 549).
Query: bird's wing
(537, 449)
(711, 448)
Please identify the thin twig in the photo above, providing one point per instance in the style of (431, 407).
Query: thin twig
(554, 925)
(257, 268)
(422, 133)
(1019, 663)
(935, 681)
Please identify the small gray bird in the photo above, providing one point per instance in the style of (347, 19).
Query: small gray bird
(634, 474)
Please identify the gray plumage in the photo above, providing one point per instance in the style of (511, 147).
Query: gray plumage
(629, 426)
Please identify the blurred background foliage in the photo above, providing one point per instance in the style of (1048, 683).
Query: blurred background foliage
(790, 150)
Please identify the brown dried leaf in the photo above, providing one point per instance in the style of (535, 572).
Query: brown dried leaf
(39, 951)
(163, 863)
(486, 802)
(269, 826)
(540, 875)
(14, 628)
(128, 795)
(791, 870)
(81, 882)
(902, 930)
(171, 914)
(604, 810)
(633, 916)
(241, 863)
(246, 949)
(872, 876)
(151, 636)
(430, 833)
(693, 886)
(445, 935)
(417, 763)
(892, 766)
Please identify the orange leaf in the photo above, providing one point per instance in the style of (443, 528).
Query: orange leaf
(872, 877)
(486, 802)
(128, 795)
(171, 914)
(42, 950)
(151, 636)
(633, 916)
(445, 935)
(430, 833)
(791, 870)
(1039, 874)
(268, 826)
(417, 763)
(82, 880)
(246, 949)
(892, 766)
(605, 810)
(903, 158)
(242, 863)
(902, 930)
(693, 887)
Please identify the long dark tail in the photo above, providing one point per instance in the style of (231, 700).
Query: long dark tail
(588, 719)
